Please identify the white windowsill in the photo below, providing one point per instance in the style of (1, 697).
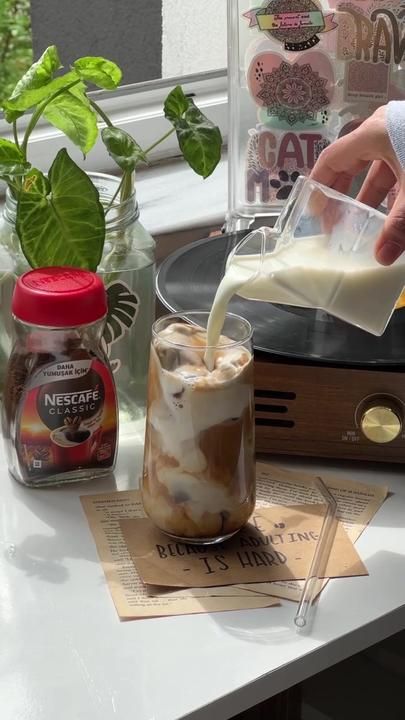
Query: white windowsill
(172, 197)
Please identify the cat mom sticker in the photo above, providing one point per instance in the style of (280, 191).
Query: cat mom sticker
(295, 23)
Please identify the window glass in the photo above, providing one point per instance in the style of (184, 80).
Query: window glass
(193, 36)
(15, 43)
(157, 44)
(149, 39)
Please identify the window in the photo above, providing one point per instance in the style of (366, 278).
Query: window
(149, 39)
(193, 36)
(15, 43)
(157, 43)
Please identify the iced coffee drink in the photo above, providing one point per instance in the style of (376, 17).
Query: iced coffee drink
(199, 472)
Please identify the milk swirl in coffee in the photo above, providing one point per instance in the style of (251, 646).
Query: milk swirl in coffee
(199, 479)
(199, 468)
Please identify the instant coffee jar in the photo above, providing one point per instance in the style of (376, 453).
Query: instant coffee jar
(59, 412)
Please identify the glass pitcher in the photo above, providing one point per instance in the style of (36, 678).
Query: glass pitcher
(320, 255)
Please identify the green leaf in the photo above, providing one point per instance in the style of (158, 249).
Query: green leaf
(33, 96)
(103, 73)
(35, 182)
(37, 76)
(79, 90)
(123, 306)
(75, 118)
(62, 224)
(200, 143)
(199, 139)
(123, 148)
(12, 115)
(176, 104)
(11, 159)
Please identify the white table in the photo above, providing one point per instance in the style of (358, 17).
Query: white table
(64, 654)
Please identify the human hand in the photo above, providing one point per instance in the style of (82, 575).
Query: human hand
(350, 155)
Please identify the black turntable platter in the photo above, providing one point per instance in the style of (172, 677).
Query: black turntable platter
(188, 279)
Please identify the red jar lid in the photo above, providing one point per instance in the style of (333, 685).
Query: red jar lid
(59, 297)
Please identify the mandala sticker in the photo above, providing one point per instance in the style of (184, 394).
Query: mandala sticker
(295, 23)
(291, 92)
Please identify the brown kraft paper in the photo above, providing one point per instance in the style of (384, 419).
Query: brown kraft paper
(278, 544)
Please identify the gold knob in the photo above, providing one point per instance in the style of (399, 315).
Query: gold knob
(381, 424)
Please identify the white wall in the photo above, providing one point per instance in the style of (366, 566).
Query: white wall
(194, 36)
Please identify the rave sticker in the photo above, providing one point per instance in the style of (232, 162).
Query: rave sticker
(291, 92)
(372, 32)
(371, 42)
(275, 160)
(295, 23)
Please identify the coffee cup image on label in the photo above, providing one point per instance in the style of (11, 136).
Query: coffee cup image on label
(292, 92)
(74, 447)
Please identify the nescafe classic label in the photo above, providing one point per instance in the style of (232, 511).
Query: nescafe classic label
(67, 418)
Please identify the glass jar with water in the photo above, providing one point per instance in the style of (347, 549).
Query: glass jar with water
(128, 271)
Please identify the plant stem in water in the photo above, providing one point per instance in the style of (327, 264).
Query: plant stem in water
(127, 186)
(113, 199)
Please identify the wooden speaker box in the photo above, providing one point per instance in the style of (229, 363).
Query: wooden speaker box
(326, 411)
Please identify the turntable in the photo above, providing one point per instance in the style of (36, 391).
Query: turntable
(322, 387)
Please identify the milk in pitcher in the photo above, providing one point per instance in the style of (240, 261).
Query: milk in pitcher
(309, 274)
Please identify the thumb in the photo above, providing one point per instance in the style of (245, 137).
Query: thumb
(391, 243)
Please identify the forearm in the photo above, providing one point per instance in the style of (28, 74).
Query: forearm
(396, 128)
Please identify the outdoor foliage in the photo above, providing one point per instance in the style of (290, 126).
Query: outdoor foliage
(15, 43)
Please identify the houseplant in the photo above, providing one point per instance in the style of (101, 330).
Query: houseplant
(68, 217)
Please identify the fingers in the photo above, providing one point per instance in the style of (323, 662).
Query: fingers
(339, 163)
(379, 181)
(343, 183)
(391, 242)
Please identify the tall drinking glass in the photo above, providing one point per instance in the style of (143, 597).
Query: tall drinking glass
(199, 467)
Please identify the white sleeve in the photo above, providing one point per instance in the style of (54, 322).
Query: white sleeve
(396, 128)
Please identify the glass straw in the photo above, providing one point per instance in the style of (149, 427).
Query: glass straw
(321, 556)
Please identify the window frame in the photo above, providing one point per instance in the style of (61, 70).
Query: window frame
(138, 109)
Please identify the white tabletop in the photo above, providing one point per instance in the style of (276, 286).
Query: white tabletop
(64, 654)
